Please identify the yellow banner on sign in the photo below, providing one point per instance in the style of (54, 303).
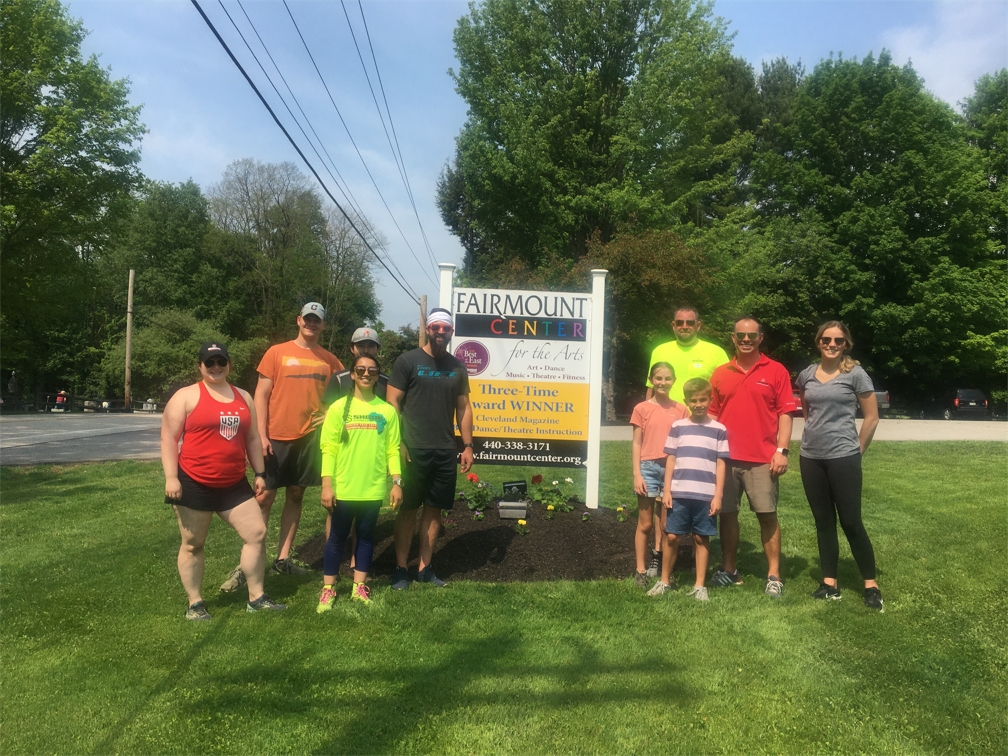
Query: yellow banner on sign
(529, 409)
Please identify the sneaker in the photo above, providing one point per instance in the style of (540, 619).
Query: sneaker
(264, 603)
(699, 592)
(828, 592)
(361, 593)
(660, 589)
(288, 567)
(872, 599)
(326, 599)
(774, 587)
(427, 575)
(400, 579)
(198, 612)
(723, 579)
(654, 566)
(235, 580)
(641, 579)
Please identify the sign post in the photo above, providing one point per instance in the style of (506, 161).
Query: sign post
(535, 373)
(595, 388)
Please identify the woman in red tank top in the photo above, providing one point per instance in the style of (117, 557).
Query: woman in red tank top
(207, 432)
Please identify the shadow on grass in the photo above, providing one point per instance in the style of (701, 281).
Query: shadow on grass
(391, 705)
(168, 682)
(751, 560)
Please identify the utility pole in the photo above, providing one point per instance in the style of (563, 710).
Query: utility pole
(128, 399)
(423, 321)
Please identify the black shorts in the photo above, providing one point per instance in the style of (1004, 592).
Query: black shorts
(429, 478)
(295, 463)
(204, 498)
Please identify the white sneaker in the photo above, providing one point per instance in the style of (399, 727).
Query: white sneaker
(235, 580)
(659, 589)
(699, 593)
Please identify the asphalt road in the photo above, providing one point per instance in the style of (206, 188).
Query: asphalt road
(888, 430)
(56, 438)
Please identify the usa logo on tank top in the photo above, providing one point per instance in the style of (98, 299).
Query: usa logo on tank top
(229, 426)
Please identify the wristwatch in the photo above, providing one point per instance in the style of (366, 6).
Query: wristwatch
(397, 482)
(469, 445)
(782, 450)
(259, 475)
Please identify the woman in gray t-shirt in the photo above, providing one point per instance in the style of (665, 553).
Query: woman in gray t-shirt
(831, 450)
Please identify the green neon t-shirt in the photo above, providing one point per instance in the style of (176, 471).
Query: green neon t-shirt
(697, 361)
(360, 467)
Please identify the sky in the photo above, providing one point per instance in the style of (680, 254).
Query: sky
(201, 115)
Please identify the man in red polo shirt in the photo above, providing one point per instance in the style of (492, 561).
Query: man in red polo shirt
(752, 398)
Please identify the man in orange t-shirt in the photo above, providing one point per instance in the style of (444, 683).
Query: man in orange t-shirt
(288, 399)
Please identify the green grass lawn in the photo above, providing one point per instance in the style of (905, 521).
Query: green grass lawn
(96, 657)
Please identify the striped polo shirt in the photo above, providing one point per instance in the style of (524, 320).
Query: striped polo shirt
(696, 447)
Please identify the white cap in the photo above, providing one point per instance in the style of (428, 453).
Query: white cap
(365, 334)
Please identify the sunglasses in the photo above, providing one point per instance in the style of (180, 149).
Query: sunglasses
(751, 336)
(680, 323)
(838, 340)
(362, 371)
(215, 362)
(440, 329)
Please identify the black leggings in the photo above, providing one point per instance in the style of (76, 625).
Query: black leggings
(343, 515)
(833, 487)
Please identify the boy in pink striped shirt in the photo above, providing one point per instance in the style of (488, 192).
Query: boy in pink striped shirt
(697, 449)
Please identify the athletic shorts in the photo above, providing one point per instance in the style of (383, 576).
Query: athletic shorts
(760, 487)
(204, 498)
(295, 463)
(429, 478)
(690, 516)
(653, 472)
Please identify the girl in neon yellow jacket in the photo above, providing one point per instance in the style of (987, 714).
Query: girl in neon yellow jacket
(360, 449)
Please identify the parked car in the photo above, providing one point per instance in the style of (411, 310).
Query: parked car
(881, 398)
(962, 404)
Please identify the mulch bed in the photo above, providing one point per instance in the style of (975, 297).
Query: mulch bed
(491, 550)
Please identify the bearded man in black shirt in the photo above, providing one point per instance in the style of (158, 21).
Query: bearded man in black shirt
(430, 389)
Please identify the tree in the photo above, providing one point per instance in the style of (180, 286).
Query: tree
(873, 207)
(68, 163)
(293, 249)
(649, 275)
(585, 117)
(165, 351)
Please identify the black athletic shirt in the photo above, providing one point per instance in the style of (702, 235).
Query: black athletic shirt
(430, 387)
(342, 384)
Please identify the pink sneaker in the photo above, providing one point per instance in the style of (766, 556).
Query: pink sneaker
(361, 593)
(326, 599)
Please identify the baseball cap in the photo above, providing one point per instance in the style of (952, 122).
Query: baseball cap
(213, 349)
(313, 308)
(365, 334)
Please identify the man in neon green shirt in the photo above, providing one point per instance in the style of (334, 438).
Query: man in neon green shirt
(688, 355)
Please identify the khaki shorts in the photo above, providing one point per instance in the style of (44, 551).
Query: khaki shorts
(760, 487)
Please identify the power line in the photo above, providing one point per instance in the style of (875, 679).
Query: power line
(354, 143)
(347, 192)
(402, 172)
(294, 144)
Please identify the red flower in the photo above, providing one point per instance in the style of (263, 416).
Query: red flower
(472, 478)
(537, 478)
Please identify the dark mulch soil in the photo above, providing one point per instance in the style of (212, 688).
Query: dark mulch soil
(564, 548)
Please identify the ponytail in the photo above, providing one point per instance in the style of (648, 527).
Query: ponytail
(345, 436)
